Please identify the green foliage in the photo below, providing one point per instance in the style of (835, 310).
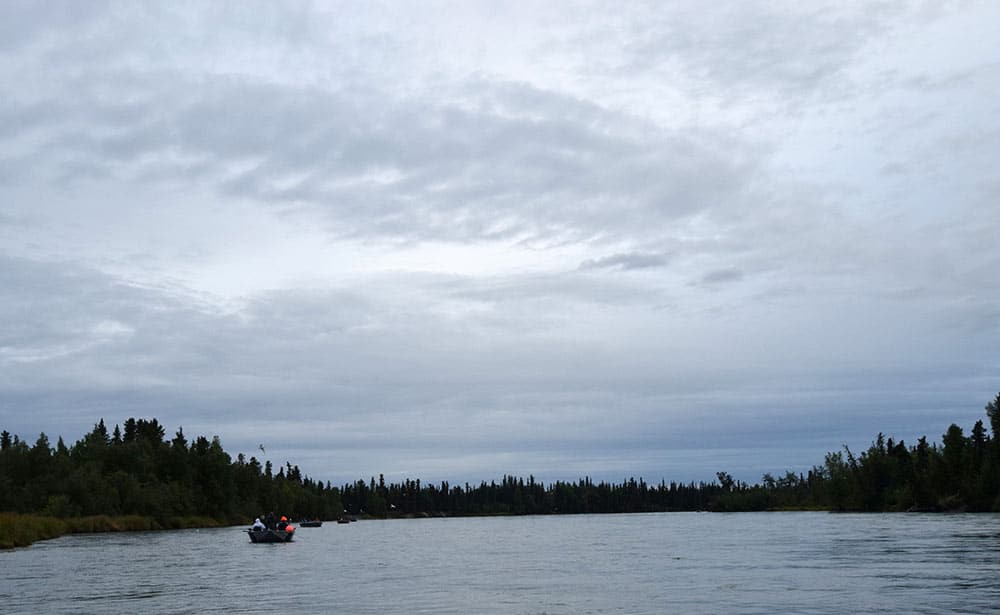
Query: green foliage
(21, 530)
(17, 530)
(141, 481)
(515, 496)
(961, 474)
(993, 412)
(134, 479)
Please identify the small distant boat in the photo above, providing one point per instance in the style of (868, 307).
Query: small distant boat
(270, 535)
(343, 520)
(314, 523)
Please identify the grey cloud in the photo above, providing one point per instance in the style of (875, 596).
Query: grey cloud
(67, 325)
(23, 22)
(384, 360)
(763, 47)
(626, 261)
(547, 295)
(405, 169)
(722, 276)
(818, 288)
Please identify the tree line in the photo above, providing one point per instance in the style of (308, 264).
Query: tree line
(135, 470)
(960, 473)
(517, 496)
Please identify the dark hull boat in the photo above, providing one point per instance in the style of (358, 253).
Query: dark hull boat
(270, 535)
(310, 523)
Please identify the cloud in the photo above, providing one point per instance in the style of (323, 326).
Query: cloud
(626, 261)
(722, 276)
(777, 51)
(500, 239)
(26, 23)
(420, 169)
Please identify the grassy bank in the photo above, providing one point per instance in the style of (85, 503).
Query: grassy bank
(18, 530)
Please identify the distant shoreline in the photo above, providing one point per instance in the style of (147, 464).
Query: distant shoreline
(69, 489)
(23, 530)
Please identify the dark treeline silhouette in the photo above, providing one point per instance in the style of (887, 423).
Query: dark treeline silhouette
(962, 473)
(517, 496)
(136, 471)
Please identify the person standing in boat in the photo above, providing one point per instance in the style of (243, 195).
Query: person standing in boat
(269, 520)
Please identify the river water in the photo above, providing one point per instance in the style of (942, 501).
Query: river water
(656, 563)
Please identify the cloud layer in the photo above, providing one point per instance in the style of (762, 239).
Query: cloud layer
(458, 240)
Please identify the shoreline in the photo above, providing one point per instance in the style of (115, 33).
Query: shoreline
(22, 530)
(19, 530)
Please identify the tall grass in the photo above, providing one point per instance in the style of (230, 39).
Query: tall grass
(22, 530)
(18, 530)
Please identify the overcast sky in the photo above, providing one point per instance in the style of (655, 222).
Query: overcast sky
(451, 241)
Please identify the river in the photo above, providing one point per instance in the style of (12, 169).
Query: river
(632, 564)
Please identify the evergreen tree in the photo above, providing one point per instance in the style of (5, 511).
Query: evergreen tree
(993, 412)
(136, 471)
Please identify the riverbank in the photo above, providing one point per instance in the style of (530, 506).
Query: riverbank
(17, 530)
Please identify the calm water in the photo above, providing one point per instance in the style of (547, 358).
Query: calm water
(660, 563)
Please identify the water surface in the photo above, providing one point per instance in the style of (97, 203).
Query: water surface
(656, 563)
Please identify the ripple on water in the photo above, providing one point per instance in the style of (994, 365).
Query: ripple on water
(810, 563)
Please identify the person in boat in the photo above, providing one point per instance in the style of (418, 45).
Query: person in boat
(257, 525)
(269, 520)
(283, 524)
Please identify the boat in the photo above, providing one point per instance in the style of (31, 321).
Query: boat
(270, 535)
(314, 523)
(343, 520)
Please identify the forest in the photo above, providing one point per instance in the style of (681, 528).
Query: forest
(135, 470)
(960, 474)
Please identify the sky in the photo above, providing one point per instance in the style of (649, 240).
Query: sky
(457, 240)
